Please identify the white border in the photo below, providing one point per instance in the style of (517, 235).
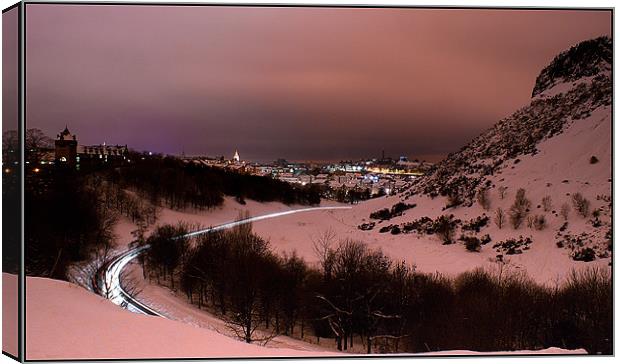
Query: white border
(479, 3)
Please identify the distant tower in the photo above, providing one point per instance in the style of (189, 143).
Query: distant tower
(65, 150)
(236, 156)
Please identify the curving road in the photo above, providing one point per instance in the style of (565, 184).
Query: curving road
(108, 280)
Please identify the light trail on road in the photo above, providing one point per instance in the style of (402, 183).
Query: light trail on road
(110, 278)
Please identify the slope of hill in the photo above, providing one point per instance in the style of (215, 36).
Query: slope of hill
(65, 321)
(566, 93)
(557, 150)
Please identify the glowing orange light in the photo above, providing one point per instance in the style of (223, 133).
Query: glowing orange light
(36, 170)
(6, 170)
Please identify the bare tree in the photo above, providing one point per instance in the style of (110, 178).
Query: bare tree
(251, 274)
(519, 209)
(530, 221)
(35, 140)
(565, 210)
(502, 192)
(445, 228)
(483, 198)
(500, 218)
(540, 222)
(10, 140)
(546, 203)
(581, 204)
(322, 245)
(358, 281)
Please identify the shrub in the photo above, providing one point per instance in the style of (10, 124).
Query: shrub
(454, 200)
(485, 239)
(502, 192)
(396, 210)
(401, 207)
(421, 225)
(593, 159)
(584, 255)
(444, 227)
(519, 209)
(513, 246)
(546, 203)
(366, 226)
(581, 204)
(383, 214)
(476, 224)
(472, 243)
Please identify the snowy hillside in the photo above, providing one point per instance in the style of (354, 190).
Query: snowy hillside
(557, 149)
(562, 100)
(66, 321)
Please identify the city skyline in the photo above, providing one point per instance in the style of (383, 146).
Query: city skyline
(319, 84)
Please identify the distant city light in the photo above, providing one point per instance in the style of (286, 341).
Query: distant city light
(36, 170)
(7, 170)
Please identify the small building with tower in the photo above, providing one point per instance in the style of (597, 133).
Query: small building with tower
(68, 153)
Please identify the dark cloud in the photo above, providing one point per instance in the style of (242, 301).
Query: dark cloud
(299, 83)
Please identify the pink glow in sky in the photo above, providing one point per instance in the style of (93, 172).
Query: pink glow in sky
(297, 83)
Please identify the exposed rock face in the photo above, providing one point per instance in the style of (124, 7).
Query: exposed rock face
(586, 59)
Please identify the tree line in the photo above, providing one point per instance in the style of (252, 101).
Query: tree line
(70, 217)
(359, 296)
(171, 182)
(66, 221)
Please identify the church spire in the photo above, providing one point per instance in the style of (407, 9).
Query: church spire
(236, 157)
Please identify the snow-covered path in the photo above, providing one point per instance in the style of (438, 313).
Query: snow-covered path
(110, 277)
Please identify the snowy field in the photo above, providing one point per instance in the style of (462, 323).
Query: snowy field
(67, 322)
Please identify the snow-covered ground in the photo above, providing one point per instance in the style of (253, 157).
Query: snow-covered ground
(9, 314)
(65, 321)
(561, 168)
(174, 305)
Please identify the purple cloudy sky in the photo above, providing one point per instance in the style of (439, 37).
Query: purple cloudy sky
(297, 83)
